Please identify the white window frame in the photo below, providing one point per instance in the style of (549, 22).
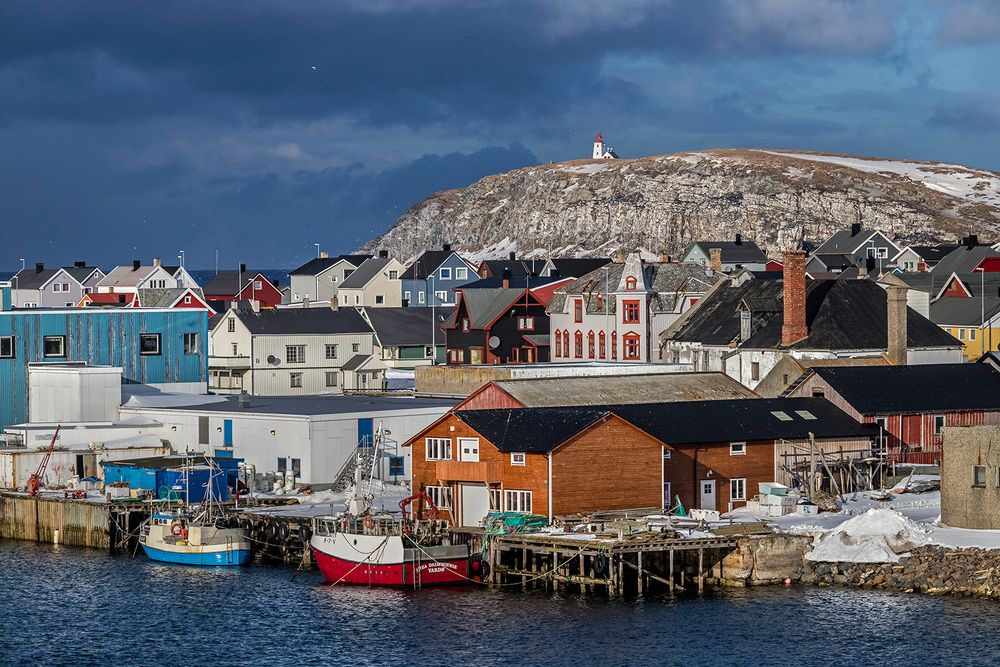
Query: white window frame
(461, 273)
(440, 496)
(421, 297)
(355, 347)
(737, 489)
(258, 285)
(437, 449)
(407, 296)
(394, 275)
(429, 351)
(329, 375)
(191, 343)
(57, 287)
(187, 299)
(295, 354)
(442, 296)
(518, 458)
(295, 380)
(62, 346)
(150, 353)
(8, 342)
(973, 480)
(738, 449)
(517, 501)
(330, 351)
(379, 299)
(972, 334)
(232, 325)
(445, 273)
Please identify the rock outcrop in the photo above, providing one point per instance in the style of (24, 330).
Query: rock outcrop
(659, 204)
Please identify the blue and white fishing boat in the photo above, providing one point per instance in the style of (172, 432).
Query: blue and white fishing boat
(181, 536)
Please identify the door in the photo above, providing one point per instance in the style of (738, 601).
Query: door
(469, 448)
(475, 500)
(475, 355)
(227, 433)
(366, 431)
(707, 494)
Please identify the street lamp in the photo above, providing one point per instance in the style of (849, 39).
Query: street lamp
(433, 325)
(317, 249)
(181, 257)
(982, 309)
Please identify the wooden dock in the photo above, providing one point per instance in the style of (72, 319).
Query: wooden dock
(640, 564)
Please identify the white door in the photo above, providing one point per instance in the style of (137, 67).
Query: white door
(707, 494)
(475, 503)
(469, 448)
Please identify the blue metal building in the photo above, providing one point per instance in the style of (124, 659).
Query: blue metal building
(167, 477)
(164, 348)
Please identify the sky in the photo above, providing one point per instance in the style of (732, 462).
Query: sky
(253, 129)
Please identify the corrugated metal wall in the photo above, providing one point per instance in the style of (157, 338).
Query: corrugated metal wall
(101, 337)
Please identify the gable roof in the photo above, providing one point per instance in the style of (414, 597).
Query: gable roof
(126, 276)
(607, 389)
(964, 259)
(81, 273)
(303, 321)
(845, 243)
(408, 326)
(744, 252)
(982, 306)
(166, 298)
(318, 265)
(428, 262)
(227, 283)
(932, 254)
(919, 388)
(364, 274)
(574, 267)
(29, 278)
(666, 280)
(530, 430)
(483, 306)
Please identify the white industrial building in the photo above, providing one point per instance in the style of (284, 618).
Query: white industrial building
(314, 436)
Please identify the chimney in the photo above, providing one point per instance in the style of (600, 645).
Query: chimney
(156, 261)
(383, 254)
(243, 269)
(715, 259)
(512, 256)
(323, 254)
(80, 264)
(233, 305)
(39, 267)
(870, 264)
(255, 304)
(971, 241)
(793, 327)
(896, 329)
(619, 257)
(855, 229)
(446, 247)
(334, 305)
(662, 257)
(305, 301)
(739, 240)
(506, 278)
(136, 264)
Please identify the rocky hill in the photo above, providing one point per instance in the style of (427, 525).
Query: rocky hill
(659, 204)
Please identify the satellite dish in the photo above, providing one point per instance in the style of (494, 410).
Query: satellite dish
(494, 342)
(273, 360)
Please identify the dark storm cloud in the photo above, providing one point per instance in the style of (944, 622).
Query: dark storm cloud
(974, 115)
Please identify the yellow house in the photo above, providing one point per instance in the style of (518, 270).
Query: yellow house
(968, 307)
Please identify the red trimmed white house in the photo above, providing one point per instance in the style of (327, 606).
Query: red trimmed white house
(177, 297)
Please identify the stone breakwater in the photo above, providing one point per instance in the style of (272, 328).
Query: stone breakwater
(932, 570)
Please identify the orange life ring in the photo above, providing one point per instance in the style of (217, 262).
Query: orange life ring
(184, 533)
(369, 522)
(176, 528)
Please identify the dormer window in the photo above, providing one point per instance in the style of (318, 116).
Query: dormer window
(630, 283)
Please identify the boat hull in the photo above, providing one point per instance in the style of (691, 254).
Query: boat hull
(384, 562)
(196, 556)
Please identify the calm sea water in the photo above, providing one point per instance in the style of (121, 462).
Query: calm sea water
(66, 606)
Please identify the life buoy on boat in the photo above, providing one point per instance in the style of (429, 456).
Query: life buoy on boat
(369, 522)
(176, 528)
(184, 533)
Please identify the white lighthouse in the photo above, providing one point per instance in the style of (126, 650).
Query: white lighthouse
(602, 153)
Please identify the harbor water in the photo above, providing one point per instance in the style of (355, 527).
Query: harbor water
(79, 607)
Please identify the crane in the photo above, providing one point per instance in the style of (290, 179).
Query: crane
(35, 480)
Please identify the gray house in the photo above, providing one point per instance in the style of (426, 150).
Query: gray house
(849, 248)
(319, 279)
(732, 255)
(53, 288)
(432, 277)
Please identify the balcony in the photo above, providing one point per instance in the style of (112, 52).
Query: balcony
(240, 362)
(468, 471)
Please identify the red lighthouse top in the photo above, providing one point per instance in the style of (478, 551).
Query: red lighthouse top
(599, 139)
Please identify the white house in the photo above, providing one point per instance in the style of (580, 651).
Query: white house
(130, 279)
(602, 152)
(375, 284)
(318, 280)
(53, 288)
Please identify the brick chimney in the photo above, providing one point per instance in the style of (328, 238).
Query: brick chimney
(793, 327)
(156, 261)
(715, 259)
(506, 278)
(323, 254)
(896, 328)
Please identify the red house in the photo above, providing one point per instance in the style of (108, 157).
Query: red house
(243, 285)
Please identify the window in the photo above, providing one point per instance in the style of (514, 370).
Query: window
(517, 458)
(295, 380)
(187, 299)
(355, 347)
(296, 297)
(591, 351)
(331, 350)
(737, 449)
(878, 253)
(465, 324)
(630, 312)
(56, 287)
(295, 354)
(6, 347)
(578, 310)
(445, 274)
(236, 350)
(938, 424)
(755, 370)
(331, 378)
(191, 343)
(883, 423)
(282, 464)
(379, 299)
(818, 392)
(258, 285)
(428, 351)
(526, 324)
(54, 346)
(972, 334)
(979, 477)
(441, 296)
(296, 467)
(437, 449)
(65, 287)
(406, 296)
(440, 496)
(601, 345)
(738, 489)
(495, 500)
(421, 297)
(630, 346)
(461, 274)
(630, 283)
(393, 275)
(565, 343)
(558, 350)
(149, 343)
(232, 325)
(456, 356)
(578, 345)
(357, 299)
(961, 334)
(517, 501)
(614, 344)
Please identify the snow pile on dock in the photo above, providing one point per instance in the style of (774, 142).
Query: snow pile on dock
(877, 536)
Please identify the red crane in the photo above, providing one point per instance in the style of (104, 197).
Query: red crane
(35, 481)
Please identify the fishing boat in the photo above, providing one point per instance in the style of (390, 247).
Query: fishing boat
(190, 538)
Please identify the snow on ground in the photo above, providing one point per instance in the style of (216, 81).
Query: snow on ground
(877, 536)
(976, 186)
(591, 168)
(400, 378)
(166, 400)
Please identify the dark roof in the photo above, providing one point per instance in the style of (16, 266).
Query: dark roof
(518, 267)
(844, 243)
(362, 275)
(665, 279)
(318, 265)
(426, 264)
(80, 273)
(304, 321)
(959, 310)
(964, 259)
(932, 254)
(408, 326)
(532, 430)
(574, 267)
(485, 305)
(520, 281)
(29, 278)
(919, 388)
(835, 261)
(540, 430)
(356, 362)
(227, 283)
(744, 252)
(840, 315)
